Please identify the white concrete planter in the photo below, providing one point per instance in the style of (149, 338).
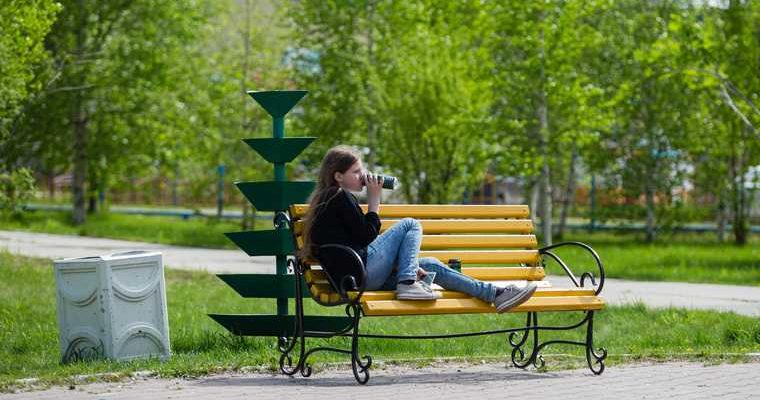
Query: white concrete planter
(112, 306)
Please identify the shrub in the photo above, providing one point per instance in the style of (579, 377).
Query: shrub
(16, 188)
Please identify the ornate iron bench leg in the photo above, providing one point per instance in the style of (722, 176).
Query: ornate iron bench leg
(286, 345)
(594, 357)
(591, 353)
(361, 370)
(531, 324)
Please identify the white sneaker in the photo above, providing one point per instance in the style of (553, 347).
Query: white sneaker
(513, 296)
(416, 291)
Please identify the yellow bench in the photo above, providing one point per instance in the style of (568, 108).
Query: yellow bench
(493, 242)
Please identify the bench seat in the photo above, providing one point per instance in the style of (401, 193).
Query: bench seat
(471, 305)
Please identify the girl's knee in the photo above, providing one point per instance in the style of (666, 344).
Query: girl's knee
(430, 261)
(411, 223)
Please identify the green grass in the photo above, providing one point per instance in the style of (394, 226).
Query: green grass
(196, 231)
(679, 257)
(28, 331)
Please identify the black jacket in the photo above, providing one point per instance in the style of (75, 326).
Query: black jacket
(339, 219)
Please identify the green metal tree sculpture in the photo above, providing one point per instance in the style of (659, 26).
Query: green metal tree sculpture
(276, 196)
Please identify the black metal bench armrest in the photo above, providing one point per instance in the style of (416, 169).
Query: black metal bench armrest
(281, 220)
(547, 251)
(350, 258)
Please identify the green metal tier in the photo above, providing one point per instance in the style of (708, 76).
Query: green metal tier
(279, 325)
(263, 285)
(279, 150)
(274, 195)
(278, 102)
(276, 242)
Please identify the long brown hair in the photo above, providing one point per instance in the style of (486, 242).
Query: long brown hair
(337, 159)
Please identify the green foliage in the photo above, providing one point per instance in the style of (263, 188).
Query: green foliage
(23, 27)
(650, 95)
(416, 95)
(548, 56)
(726, 122)
(16, 188)
(161, 86)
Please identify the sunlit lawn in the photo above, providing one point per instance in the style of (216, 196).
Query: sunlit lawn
(698, 258)
(28, 331)
(196, 231)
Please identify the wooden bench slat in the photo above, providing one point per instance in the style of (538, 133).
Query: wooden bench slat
(482, 273)
(430, 242)
(505, 273)
(471, 305)
(478, 241)
(485, 256)
(429, 226)
(488, 257)
(438, 211)
(448, 294)
(326, 294)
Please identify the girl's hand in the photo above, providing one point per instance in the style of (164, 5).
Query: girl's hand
(421, 274)
(374, 189)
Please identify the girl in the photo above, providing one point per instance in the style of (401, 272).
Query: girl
(390, 259)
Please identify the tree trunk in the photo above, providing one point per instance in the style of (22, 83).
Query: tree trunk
(158, 188)
(92, 200)
(740, 220)
(592, 205)
(79, 122)
(102, 188)
(246, 36)
(245, 223)
(371, 158)
(132, 190)
(80, 164)
(92, 204)
(738, 194)
(649, 193)
(51, 185)
(722, 220)
(545, 203)
(739, 207)
(545, 188)
(569, 194)
(531, 195)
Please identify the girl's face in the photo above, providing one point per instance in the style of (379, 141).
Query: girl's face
(352, 178)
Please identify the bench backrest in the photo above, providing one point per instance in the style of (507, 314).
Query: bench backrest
(488, 236)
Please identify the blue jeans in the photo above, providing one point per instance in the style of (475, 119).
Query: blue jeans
(392, 257)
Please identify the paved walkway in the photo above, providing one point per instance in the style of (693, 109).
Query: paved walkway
(740, 299)
(66, 246)
(484, 381)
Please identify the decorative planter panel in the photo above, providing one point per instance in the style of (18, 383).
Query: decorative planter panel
(112, 306)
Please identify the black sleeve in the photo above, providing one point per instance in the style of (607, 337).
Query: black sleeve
(363, 227)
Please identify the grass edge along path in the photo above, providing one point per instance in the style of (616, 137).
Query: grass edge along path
(195, 232)
(559, 362)
(28, 331)
(694, 258)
